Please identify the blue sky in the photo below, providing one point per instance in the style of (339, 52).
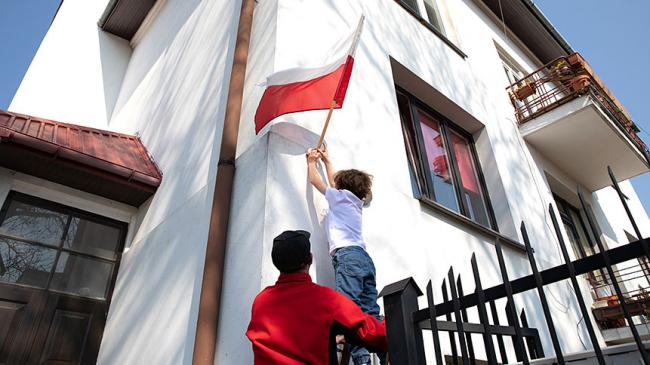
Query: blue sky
(23, 23)
(614, 36)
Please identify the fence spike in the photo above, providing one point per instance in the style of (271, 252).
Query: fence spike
(610, 272)
(457, 316)
(434, 324)
(465, 318)
(452, 338)
(500, 343)
(482, 314)
(576, 288)
(542, 296)
(518, 338)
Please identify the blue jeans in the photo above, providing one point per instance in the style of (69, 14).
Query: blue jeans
(355, 278)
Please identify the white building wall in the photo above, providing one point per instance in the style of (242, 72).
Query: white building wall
(76, 74)
(173, 96)
(171, 90)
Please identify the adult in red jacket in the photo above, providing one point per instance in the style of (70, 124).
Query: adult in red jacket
(295, 321)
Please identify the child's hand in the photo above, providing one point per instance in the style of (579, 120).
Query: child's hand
(324, 154)
(313, 155)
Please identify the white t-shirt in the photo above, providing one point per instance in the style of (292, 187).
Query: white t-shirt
(343, 221)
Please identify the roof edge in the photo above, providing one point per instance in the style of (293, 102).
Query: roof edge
(110, 7)
(537, 12)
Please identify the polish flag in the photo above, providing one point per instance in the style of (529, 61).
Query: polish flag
(302, 89)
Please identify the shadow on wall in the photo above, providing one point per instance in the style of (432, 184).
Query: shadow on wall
(167, 23)
(295, 141)
(114, 56)
(174, 94)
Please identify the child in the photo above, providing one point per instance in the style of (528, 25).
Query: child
(353, 267)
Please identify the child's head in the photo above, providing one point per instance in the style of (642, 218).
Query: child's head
(355, 181)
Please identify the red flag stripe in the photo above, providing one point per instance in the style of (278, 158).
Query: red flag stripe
(342, 89)
(315, 94)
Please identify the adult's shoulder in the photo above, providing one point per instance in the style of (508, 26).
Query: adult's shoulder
(263, 295)
(328, 292)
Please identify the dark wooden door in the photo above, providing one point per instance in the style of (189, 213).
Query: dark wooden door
(19, 316)
(57, 269)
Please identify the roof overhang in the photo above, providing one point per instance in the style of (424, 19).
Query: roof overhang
(107, 164)
(124, 17)
(582, 140)
(528, 23)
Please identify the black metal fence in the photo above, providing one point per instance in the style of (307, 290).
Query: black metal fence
(405, 321)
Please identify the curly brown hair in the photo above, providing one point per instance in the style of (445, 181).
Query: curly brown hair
(355, 181)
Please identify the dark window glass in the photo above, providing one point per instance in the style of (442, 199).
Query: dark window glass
(34, 223)
(82, 276)
(412, 4)
(25, 264)
(442, 161)
(432, 13)
(437, 161)
(92, 238)
(470, 186)
(50, 246)
(409, 142)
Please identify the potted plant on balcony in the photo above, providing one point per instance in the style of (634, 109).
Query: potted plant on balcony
(524, 90)
(580, 83)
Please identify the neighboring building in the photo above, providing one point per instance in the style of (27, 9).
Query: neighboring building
(103, 250)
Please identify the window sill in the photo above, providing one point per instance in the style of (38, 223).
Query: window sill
(466, 222)
(433, 29)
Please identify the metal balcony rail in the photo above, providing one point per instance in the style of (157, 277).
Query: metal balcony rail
(405, 321)
(635, 287)
(562, 80)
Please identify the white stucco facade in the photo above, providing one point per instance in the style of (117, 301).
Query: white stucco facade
(170, 88)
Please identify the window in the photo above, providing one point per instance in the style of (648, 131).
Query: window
(430, 14)
(49, 246)
(513, 72)
(442, 162)
(575, 228)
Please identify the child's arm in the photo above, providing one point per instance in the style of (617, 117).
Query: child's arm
(315, 179)
(328, 165)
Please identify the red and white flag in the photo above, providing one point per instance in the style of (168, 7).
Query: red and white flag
(302, 89)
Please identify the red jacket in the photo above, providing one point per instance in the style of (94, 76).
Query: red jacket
(294, 323)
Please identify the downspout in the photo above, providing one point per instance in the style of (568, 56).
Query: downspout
(209, 304)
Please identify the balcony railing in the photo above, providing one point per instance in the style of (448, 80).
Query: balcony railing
(634, 281)
(561, 81)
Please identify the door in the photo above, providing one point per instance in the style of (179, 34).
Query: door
(57, 270)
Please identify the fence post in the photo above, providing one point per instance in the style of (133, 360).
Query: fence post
(405, 344)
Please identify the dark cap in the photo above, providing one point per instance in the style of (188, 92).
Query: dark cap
(291, 250)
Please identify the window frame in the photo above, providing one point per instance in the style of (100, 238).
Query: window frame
(60, 247)
(417, 158)
(441, 33)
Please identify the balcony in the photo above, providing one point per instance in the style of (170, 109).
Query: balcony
(567, 114)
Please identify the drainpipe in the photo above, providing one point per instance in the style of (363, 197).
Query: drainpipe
(209, 303)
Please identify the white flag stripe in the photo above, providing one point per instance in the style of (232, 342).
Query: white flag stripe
(357, 36)
(303, 74)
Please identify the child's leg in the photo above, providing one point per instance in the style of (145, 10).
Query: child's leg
(369, 300)
(353, 268)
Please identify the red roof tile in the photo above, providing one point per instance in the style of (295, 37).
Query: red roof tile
(120, 155)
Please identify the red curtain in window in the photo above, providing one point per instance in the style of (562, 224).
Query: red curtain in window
(434, 146)
(465, 163)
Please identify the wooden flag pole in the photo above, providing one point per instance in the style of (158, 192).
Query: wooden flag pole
(327, 122)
